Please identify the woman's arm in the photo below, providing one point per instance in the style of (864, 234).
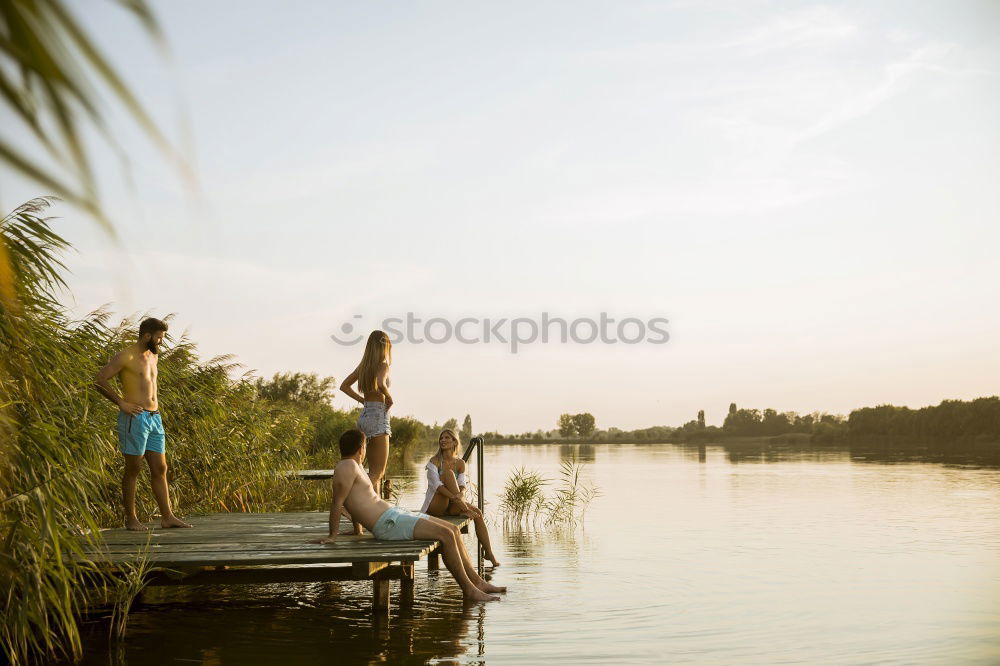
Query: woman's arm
(434, 481)
(348, 383)
(382, 385)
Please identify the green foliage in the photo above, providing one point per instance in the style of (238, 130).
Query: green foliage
(523, 497)
(52, 72)
(951, 421)
(60, 467)
(406, 431)
(524, 501)
(567, 427)
(467, 428)
(768, 422)
(572, 496)
(576, 425)
(297, 387)
(584, 424)
(328, 425)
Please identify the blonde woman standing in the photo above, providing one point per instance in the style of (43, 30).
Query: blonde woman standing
(372, 378)
(446, 483)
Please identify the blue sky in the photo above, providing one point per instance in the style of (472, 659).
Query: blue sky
(807, 191)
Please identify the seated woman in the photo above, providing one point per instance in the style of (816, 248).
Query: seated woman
(446, 486)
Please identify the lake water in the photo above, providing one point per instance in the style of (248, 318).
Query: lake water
(689, 556)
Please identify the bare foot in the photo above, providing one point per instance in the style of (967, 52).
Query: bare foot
(487, 587)
(493, 559)
(174, 521)
(135, 526)
(479, 595)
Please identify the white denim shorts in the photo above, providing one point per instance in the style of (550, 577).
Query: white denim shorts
(374, 420)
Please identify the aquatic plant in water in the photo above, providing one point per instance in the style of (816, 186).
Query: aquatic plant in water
(524, 501)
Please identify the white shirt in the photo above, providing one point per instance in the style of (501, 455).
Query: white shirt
(434, 482)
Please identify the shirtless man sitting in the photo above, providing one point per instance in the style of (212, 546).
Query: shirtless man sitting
(140, 429)
(353, 489)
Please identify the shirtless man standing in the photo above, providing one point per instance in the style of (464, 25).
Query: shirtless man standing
(140, 430)
(352, 488)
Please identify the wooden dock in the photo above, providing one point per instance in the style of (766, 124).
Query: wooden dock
(256, 548)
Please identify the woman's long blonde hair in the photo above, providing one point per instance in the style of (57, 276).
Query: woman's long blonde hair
(377, 350)
(458, 444)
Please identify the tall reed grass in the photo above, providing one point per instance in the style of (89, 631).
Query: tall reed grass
(524, 501)
(60, 467)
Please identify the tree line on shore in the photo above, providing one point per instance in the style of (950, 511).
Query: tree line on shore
(953, 422)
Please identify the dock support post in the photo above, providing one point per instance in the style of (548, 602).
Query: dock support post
(380, 594)
(406, 584)
(434, 560)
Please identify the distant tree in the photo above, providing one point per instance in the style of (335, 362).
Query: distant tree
(297, 387)
(450, 424)
(692, 426)
(743, 422)
(773, 423)
(467, 428)
(328, 425)
(732, 408)
(567, 426)
(701, 419)
(406, 430)
(584, 424)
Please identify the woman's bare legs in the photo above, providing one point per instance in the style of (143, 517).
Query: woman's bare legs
(483, 535)
(378, 456)
(455, 557)
(451, 483)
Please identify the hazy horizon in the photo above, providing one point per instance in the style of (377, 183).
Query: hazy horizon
(806, 191)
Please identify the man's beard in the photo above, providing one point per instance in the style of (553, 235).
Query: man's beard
(153, 347)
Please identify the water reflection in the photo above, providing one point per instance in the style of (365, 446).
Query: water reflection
(584, 453)
(767, 452)
(321, 623)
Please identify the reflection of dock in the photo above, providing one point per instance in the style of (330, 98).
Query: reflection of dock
(257, 548)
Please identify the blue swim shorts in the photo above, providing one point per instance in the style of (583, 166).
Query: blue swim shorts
(140, 433)
(396, 524)
(374, 420)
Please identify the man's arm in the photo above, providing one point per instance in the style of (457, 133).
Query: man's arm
(341, 487)
(347, 386)
(103, 384)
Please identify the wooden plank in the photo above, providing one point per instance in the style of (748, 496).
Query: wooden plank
(310, 474)
(253, 539)
(253, 576)
(267, 525)
(216, 558)
(366, 569)
(360, 544)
